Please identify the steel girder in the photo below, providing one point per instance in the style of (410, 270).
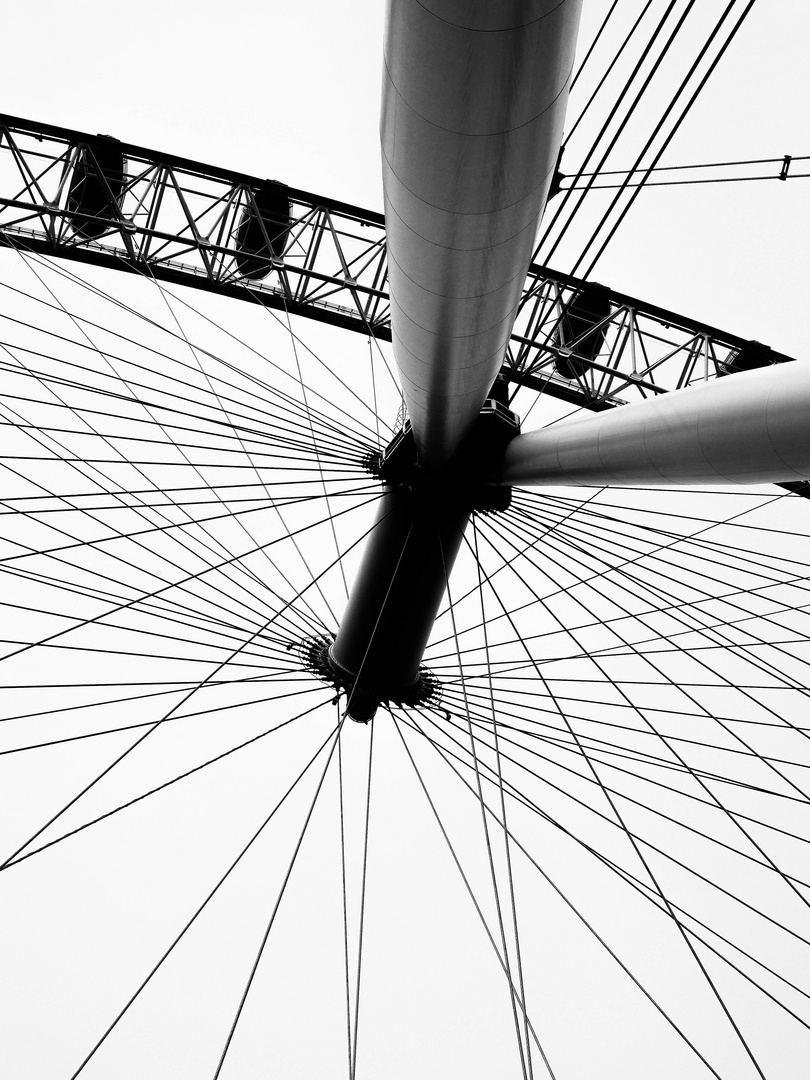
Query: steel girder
(179, 221)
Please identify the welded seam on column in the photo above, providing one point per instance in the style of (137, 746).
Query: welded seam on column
(461, 214)
(447, 296)
(423, 363)
(476, 134)
(499, 30)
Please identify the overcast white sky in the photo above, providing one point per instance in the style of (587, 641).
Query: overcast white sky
(290, 91)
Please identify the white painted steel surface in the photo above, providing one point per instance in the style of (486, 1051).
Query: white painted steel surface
(474, 98)
(749, 428)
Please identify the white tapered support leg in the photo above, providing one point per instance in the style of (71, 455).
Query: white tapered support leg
(749, 428)
(474, 99)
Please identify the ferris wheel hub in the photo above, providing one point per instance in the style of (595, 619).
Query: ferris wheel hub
(364, 697)
(377, 653)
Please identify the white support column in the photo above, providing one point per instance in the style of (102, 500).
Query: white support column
(749, 428)
(474, 99)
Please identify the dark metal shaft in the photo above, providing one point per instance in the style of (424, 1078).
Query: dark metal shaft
(397, 593)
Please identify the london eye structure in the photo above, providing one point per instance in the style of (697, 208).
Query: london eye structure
(405, 652)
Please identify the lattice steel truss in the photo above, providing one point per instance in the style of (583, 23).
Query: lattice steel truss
(97, 200)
